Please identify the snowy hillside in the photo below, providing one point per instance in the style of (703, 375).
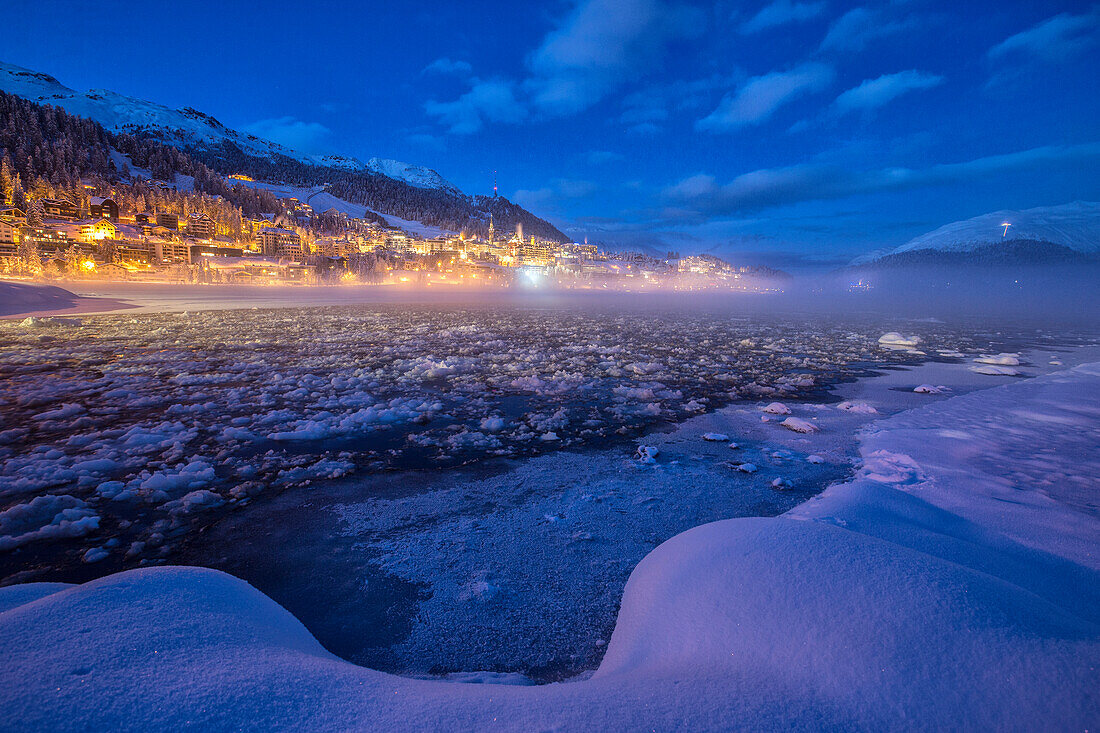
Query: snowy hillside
(188, 127)
(414, 175)
(118, 112)
(1075, 226)
(321, 200)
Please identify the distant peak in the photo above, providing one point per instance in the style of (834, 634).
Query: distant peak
(1075, 225)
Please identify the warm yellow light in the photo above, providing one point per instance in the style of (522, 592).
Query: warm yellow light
(88, 265)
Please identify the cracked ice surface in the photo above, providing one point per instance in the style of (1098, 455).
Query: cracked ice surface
(138, 429)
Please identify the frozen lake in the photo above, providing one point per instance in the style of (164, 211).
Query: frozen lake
(450, 486)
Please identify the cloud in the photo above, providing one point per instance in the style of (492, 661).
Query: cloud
(782, 12)
(487, 101)
(645, 119)
(759, 97)
(655, 103)
(600, 157)
(305, 137)
(874, 93)
(1054, 39)
(445, 65)
(693, 187)
(859, 26)
(601, 45)
(560, 189)
(701, 195)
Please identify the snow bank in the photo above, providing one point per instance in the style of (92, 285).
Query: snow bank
(928, 593)
(26, 298)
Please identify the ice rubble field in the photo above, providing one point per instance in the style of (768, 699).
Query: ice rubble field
(121, 433)
(954, 583)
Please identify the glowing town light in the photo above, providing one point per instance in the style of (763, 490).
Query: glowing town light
(88, 265)
(532, 277)
(1006, 225)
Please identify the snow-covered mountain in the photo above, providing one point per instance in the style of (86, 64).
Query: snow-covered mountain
(190, 128)
(1075, 226)
(414, 175)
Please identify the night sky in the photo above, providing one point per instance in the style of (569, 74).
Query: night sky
(794, 133)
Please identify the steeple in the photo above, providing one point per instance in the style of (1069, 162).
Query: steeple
(491, 230)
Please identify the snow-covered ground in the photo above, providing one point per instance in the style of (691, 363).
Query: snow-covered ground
(954, 583)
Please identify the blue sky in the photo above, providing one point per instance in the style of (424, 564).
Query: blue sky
(793, 132)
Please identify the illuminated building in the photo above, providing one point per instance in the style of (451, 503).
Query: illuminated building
(98, 231)
(9, 232)
(103, 208)
(59, 209)
(532, 252)
(168, 221)
(279, 242)
(172, 251)
(200, 226)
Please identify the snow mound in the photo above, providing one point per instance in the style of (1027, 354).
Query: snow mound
(893, 338)
(776, 408)
(716, 437)
(999, 360)
(799, 425)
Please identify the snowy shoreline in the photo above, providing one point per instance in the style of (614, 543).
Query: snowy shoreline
(19, 299)
(952, 583)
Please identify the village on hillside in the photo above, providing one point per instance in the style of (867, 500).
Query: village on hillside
(97, 238)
